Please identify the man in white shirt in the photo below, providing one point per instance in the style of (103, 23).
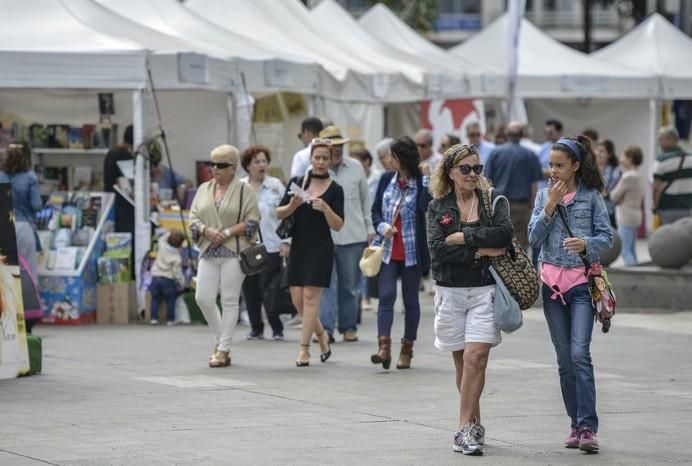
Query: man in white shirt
(428, 157)
(309, 129)
(339, 304)
(476, 139)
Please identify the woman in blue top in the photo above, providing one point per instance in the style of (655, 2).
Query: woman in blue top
(574, 193)
(26, 201)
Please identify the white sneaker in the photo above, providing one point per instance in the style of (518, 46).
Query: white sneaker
(154, 322)
(170, 323)
(295, 321)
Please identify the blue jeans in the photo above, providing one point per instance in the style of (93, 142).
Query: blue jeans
(386, 285)
(570, 328)
(628, 235)
(166, 289)
(342, 295)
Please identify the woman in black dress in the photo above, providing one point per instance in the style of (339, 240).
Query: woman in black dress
(312, 249)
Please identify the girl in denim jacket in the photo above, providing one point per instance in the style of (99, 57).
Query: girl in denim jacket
(575, 191)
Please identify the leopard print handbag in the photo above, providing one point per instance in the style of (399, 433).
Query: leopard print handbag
(514, 268)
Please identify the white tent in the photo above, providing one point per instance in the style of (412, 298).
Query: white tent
(549, 69)
(659, 48)
(266, 69)
(484, 79)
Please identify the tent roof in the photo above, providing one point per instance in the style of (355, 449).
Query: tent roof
(270, 23)
(333, 20)
(658, 47)
(548, 68)
(384, 24)
(50, 26)
(290, 23)
(44, 45)
(267, 68)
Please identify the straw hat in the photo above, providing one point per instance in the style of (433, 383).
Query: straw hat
(333, 133)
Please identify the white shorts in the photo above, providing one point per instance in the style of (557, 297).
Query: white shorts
(464, 315)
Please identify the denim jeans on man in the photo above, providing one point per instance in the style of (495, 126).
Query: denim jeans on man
(340, 301)
(628, 235)
(386, 285)
(166, 289)
(570, 328)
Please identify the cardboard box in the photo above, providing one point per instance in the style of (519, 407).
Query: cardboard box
(115, 303)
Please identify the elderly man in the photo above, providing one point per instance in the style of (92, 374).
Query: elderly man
(476, 139)
(428, 157)
(309, 129)
(672, 178)
(382, 149)
(514, 171)
(448, 140)
(339, 304)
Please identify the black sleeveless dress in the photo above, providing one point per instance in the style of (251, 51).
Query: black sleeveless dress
(312, 249)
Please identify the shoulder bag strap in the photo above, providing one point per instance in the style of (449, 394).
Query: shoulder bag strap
(240, 211)
(559, 209)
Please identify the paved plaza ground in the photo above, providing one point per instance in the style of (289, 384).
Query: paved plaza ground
(141, 395)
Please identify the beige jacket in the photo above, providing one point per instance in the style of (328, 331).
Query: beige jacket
(168, 263)
(628, 196)
(203, 212)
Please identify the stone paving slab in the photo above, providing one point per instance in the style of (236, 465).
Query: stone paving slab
(141, 395)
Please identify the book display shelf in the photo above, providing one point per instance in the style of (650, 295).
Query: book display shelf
(71, 230)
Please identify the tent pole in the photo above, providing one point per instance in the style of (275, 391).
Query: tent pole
(142, 239)
(649, 167)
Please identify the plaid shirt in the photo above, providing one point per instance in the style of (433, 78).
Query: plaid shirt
(390, 201)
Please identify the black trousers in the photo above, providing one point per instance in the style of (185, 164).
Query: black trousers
(254, 292)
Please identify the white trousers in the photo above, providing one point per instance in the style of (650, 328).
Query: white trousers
(213, 275)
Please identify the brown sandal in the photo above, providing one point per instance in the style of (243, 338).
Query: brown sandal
(220, 359)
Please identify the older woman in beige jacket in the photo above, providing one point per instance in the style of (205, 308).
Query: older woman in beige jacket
(222, 226)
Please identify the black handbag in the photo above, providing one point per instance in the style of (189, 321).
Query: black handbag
(287, 227)
(254, 259)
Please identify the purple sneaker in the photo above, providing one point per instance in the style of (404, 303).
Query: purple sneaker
(572, 440)
(588, 441)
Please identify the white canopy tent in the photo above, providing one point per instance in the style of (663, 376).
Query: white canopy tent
(549, 69)
(659, 48)
(485, 79)
(265, 68)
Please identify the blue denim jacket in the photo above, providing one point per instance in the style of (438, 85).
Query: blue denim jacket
(588, 219)
(25, 194)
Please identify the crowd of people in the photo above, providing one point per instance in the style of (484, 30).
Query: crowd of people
(428, 211)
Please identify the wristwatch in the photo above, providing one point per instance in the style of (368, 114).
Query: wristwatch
(477, 256)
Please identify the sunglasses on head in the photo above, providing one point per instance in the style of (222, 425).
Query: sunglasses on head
(321, 142)
(466, 169)
(221, 165)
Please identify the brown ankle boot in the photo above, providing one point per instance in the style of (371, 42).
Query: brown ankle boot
(384, 352)
(405, 355)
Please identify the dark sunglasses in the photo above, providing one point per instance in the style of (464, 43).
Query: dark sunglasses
(466, 169)
(221, 165)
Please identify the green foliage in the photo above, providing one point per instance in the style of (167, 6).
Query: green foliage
(419, 14)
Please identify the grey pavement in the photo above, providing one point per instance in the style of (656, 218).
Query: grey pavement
(141, 395)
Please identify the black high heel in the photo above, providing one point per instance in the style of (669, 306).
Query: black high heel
(326, 355)
(300, 363)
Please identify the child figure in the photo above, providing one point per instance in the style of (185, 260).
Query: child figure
(167, 275)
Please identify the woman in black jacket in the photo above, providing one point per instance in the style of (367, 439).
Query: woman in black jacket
(398, 215)
(462, 238)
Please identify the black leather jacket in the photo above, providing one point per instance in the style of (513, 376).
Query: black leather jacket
(444, 219)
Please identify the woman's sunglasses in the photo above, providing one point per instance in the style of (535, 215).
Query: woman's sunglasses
(466, 169)
(221, 165)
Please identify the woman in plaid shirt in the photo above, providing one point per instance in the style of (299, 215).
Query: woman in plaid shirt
(398, 216)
